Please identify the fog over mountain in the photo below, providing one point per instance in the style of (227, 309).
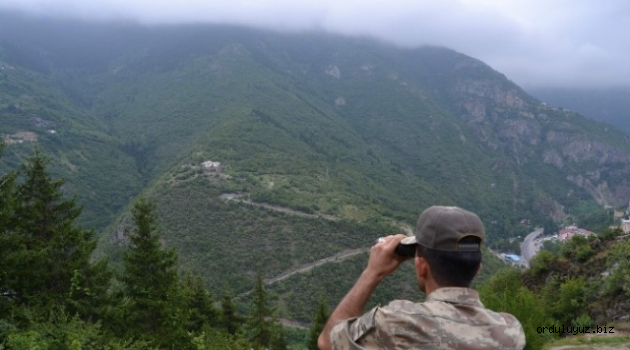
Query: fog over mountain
(610, 105)
(535, 43)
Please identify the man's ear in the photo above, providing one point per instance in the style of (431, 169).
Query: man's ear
(421, 266)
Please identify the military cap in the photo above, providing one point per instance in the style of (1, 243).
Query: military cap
(444, 228)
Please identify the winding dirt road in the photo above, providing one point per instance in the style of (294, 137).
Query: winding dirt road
(339, 257)
(240, 198)
(306, 267)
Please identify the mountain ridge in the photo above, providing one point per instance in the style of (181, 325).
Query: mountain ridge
(603, 104)
(361, 130)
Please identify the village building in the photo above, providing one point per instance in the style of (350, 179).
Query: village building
(568, 232)
(625, 225)
(211, 166)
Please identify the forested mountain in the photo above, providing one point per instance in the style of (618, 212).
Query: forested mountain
(610, 105)
(324, 143)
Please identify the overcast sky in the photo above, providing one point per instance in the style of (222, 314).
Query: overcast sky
(580, 43)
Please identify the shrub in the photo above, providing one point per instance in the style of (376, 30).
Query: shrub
(584, 252)
(584, 320)
(504, 292)
(541, 263)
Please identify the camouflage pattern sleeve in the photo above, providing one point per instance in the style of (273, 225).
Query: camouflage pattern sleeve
(352, 334)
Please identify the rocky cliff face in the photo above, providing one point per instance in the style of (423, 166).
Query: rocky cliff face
(503, 117)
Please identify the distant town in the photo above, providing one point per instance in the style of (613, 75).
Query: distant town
(534, 242)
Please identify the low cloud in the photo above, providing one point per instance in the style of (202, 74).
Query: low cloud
(575, 43)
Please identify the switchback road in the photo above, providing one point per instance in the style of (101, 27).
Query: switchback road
(528, 250)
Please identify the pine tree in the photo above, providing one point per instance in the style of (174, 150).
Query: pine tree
(278, 340)
(229, 319)
(264, 329)
(258, 321)
(90, 294)
(50, 249)
(319, 321)
(151, 287)
(199, 303)
(7, 190)
(7, 238)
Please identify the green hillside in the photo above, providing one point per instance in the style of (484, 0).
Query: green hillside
(35, 110)
(325, 143)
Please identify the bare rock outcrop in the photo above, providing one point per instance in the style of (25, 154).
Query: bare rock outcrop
(501, 116)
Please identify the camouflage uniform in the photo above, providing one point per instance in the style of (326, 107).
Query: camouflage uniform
(450, 318)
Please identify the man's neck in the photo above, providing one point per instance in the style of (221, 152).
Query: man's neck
(430, 287)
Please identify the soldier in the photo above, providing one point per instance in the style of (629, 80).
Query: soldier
(447, 257)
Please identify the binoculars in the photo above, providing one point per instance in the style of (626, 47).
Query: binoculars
(404, 250)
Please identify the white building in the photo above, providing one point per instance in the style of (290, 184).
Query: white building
(210, 165)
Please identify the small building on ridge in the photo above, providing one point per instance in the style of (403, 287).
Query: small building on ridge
(568, 232)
